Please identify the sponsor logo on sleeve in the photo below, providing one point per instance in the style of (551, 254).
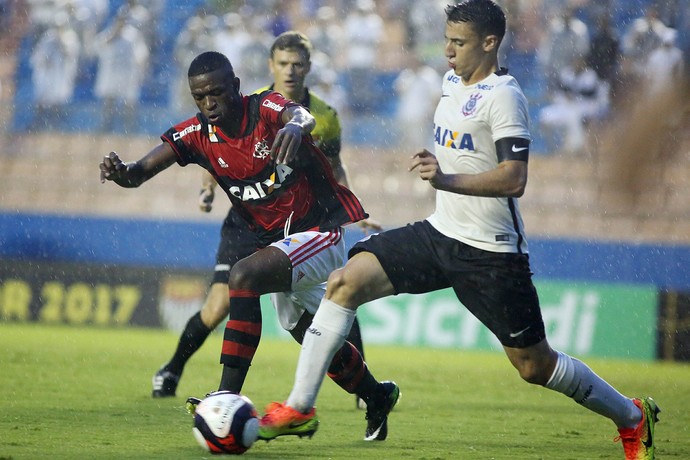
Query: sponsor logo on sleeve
(272, 105)
(188, 130)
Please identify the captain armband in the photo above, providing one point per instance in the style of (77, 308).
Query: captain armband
(512, 148)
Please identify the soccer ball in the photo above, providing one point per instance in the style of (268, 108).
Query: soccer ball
(226, 423)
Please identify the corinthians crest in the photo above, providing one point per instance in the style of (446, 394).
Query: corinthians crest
(471, 105)
(261, 150)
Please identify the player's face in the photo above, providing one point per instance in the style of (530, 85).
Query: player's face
(289, 69)
(217, 96)
(466, 52)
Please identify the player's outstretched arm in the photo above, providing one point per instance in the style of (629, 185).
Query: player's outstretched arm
(134, 174)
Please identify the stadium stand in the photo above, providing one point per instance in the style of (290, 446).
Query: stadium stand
(56, 172)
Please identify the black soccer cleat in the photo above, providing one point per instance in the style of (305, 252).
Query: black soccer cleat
(378, 408)
(164, 383)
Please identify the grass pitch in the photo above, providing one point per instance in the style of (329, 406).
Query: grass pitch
(71, 393)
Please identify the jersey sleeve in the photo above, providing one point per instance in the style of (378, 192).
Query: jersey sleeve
(184, 138)
(509, 114)
(272, 106)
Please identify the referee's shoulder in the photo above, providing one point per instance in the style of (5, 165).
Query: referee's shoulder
(316, 103)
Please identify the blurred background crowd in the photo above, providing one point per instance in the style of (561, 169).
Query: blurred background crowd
(120, 65)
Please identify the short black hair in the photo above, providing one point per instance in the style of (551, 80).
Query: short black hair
(486, 16)
(208, 62)
(292, 40)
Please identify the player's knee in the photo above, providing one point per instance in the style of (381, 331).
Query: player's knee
(344, 288)
(336, 281)
(532, 372)
(243, 276)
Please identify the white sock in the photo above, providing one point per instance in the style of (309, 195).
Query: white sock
(574, 379)
(325, 336)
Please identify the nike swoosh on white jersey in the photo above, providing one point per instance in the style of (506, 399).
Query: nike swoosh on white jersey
(516, 149)
(445, 95)
(519, 333)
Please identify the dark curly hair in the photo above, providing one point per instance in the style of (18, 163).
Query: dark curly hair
(207, 62)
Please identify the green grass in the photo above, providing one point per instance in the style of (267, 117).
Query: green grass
(71, 393)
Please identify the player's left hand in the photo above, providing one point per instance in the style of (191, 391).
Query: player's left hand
(287, 141)
(427, 165)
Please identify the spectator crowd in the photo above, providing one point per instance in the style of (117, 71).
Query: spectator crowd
(575, 58)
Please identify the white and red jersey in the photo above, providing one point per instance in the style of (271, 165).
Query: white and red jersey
(267, 195)
(467, 123)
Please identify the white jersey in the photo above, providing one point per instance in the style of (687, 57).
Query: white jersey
(467, 123)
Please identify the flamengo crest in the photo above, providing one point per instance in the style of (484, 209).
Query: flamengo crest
(261, 150)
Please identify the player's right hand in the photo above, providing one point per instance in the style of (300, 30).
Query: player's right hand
(428, 168)
(112, 167)
(287, 141)
(206, 197)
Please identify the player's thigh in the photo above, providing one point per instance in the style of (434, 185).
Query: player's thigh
(361, 280)
(498, 290)
(267, 270)
(405, 259)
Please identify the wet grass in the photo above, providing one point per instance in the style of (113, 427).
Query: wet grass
(71, 393)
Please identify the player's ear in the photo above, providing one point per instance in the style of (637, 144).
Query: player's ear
(236, 82)
(491, 43)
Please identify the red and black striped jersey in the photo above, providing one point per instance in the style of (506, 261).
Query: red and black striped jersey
(267, 194)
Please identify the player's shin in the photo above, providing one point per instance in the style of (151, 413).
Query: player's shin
(323, 339)
(240, 339)
(355, 338)
(191, 339)
(351, 373)
(576, 380)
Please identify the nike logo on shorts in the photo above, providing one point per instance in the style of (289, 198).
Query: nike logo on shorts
(519, 333)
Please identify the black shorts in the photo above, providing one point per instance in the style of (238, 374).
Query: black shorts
(237, 241)
(495, 287)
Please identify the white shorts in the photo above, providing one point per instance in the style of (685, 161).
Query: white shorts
(314, 255)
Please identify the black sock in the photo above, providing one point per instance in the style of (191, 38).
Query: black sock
(367, 390)
(355, 337)
(233, 378)
(191, 339)
(351, 373)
